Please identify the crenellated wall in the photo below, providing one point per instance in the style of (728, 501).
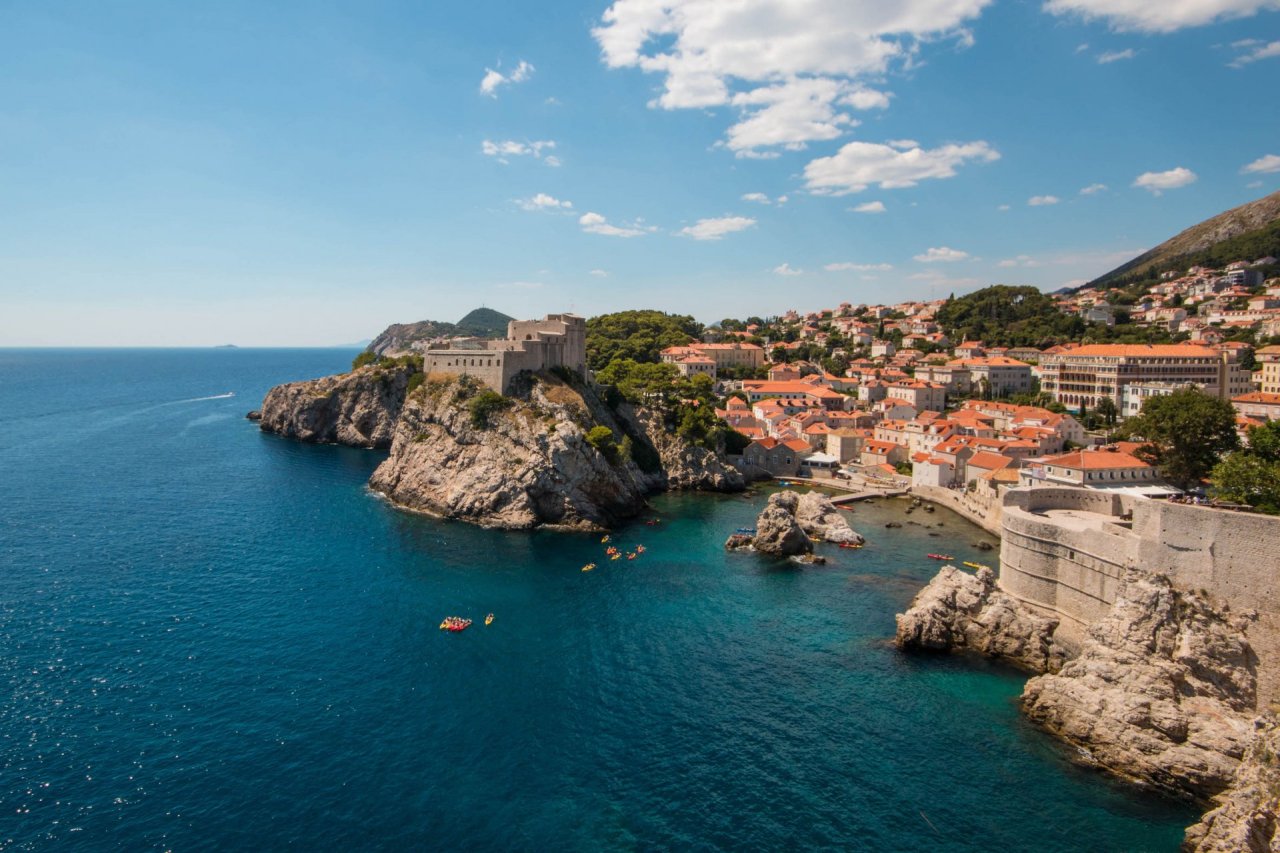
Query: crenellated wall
(1066, 551)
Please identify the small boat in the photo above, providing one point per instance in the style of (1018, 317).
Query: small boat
(604, 539)
(940, 557)
(616, 557)
(488, 620)
(747, 531)
(631, 556)
(849, 545)
(653, 522)
(454, 624)
(976, 565)
(640, 549)
(611, 550)
(588, 567)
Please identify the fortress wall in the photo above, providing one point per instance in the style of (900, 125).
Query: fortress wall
(1073, 566)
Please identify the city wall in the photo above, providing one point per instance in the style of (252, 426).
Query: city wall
(1066, 551)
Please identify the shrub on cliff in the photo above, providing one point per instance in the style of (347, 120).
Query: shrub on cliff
(484, 404)
(601, 438)
(364, 358)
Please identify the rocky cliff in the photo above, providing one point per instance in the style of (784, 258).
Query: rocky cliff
(959, 611)
(685, 466)
(1162, 692)
(789, 523)
(359, 408)
(526, 462)
(1246, 817)
(819, 518)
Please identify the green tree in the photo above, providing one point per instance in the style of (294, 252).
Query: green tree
(1187, 432)
(1246, 478)
(1107, 410)
(601, 438)
(637, 335)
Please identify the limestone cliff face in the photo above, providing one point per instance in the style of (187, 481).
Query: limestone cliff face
(529, 465)
(1161, 693)
(1246, 817)
(359, 408)
(685, 466)
(777, 531)
(959, 611)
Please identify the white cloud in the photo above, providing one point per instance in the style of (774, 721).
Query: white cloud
(512, 148)
(493, 79)
(1116, 55)
(869, 207)
(858, 165)
(1266, 51)
(1019, 261)
(942, 254)
(1158, 182)
(599, 273)
(1267, 164)
(1253, 185)
(594, 223)
(714, 229)
(1093, 189)
(1081, 48)
(785, 269)
(1003, 207)
(1043, 200)
(1159, 16)
(794, 70)
(846, 266)
(542, 201)
(758, 198)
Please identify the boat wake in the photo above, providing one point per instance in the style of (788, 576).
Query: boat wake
(212, 397)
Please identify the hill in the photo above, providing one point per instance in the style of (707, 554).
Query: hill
(1004, 315)
(484, 323)
(480, 323)
(1247, 232)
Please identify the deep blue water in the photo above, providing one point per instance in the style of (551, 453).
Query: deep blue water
(213, 638)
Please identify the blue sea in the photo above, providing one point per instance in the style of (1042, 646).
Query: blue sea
(214, 638)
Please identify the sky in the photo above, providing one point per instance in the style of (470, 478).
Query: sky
(304, 174)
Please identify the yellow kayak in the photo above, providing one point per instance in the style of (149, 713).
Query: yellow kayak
(976, 566)
(588, 567)
(488, 620)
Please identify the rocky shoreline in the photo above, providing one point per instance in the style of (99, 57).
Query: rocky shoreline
(536, 457)
(790, 523)
(1161, 693)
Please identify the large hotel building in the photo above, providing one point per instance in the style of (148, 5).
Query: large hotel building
(1085, 374)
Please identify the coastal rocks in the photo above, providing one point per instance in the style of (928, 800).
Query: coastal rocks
(359, 409)
(777, 530)
(959, 611)
(1247, 815)
(527, 462)
(1161, 693)
(818, 517)
(254, 415)
(685, 466)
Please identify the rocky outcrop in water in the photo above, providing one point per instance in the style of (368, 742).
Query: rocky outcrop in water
(959, 611)
(1246, 817)
(777, 530)
(818, 517)
(526, 463)
(685, 466)
(359, 409)
(1162, 692)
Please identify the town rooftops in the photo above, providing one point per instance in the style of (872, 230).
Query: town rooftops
(1095, 460)
(1258, 397)
(1140, 350)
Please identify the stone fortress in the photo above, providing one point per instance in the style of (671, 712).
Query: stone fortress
(1065, 553)
(558, 340)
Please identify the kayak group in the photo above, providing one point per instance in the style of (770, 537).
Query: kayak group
(455, 624)
(614, 553)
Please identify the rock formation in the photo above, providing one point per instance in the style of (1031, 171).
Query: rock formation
(359, 408)
(1246, 817)
(961, 611)
(777, 531)
(685, 465)
(526, 463)
(818, 516)
(1162, 692)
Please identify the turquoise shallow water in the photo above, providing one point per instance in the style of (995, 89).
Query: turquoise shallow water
(214, 638)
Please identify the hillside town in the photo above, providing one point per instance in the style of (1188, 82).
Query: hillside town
(883, 394)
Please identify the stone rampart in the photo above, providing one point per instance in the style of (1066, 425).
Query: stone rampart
(1065, 551)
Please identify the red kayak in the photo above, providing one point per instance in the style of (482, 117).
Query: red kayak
(941, 557)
